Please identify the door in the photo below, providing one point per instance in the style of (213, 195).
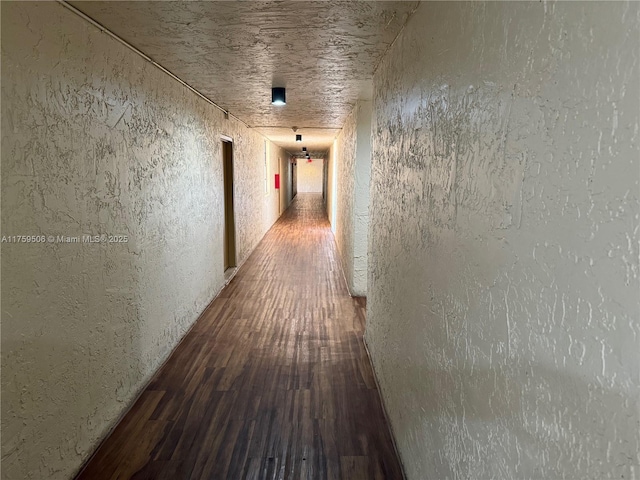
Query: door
(229, 224)
(294, 178)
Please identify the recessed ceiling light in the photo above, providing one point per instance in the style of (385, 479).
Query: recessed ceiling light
(278, 96)
(304, 149)
(298, 138)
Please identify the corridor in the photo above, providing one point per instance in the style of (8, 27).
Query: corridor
(272, 382)
(470, 168)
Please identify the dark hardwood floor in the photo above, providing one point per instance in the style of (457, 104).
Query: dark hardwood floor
(273, 381)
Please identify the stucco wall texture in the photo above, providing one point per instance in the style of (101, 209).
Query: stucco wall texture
(286, 192)
(353, 161)
(96, 141)
(345, 160)
(503, 306)
(362, 175)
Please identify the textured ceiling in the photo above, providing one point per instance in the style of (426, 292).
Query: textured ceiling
(323, 52)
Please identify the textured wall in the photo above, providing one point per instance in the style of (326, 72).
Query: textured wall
(503, 306)
(286, 192)
(353, 163)
(276, 201)
(310, 176)
(362, 175)
(97, 141)
(330, 185)
(345, 182)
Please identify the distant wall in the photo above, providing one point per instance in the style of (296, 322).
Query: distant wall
(503, 314)
(310, 176)
(96, 141)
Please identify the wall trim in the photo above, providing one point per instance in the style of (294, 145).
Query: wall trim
(384, 406)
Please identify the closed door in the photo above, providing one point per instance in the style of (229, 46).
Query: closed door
(229, 224)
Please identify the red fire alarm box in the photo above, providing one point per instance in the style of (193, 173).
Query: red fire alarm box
(277, 181)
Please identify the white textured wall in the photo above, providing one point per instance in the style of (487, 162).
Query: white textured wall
(362, 175)
(310, 175)
(97, 141)
(353, 163)
(503, 305)
(329, 184)
(276, 201)
(286, 192)
(345, 182)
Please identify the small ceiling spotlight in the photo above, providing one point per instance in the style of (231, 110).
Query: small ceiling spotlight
(298, 137)
(304, 149)
(278, 96)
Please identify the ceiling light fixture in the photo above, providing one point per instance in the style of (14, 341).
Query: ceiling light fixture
(304, 149)
(278, 96)
(298, 138)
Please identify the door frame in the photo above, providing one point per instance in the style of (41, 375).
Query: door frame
(228, 225)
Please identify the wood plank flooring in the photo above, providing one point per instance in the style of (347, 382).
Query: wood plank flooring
(273, 382)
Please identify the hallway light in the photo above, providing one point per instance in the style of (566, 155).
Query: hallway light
(298, 138)
(278, 96)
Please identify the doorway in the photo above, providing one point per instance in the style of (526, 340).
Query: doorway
(294, 177)
(229, 223)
